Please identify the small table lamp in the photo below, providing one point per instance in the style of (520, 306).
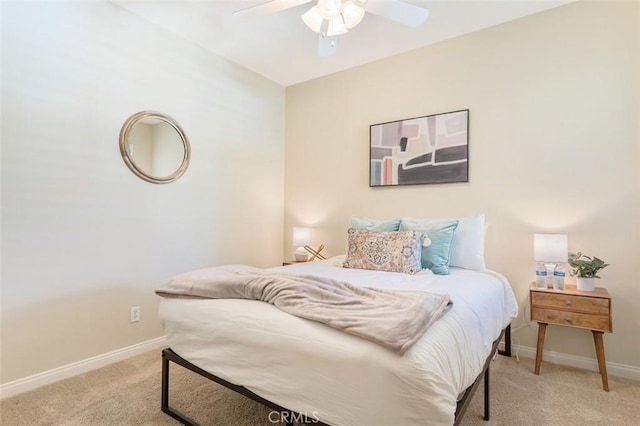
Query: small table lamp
(550, 249)
(301, 237)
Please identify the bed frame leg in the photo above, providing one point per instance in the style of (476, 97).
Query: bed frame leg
(169, 356)
(507, 342)
(486, 393)
(164, 400)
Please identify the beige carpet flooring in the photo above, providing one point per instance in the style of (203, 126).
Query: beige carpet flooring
(128, 393)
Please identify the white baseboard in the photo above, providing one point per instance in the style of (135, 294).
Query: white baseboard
(613, 368)
(70, 370)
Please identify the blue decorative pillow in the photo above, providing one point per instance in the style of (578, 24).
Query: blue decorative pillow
(364, 223)
(436, 255)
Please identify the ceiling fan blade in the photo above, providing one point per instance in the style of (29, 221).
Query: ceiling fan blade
(271, 6)
(404, 13)
(327, 45)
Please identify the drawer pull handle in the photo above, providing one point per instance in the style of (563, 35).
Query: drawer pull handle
(569, 320)
(568, 302)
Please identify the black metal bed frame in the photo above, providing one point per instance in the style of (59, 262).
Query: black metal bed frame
(169, 355)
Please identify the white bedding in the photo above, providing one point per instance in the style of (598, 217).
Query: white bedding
(341, 379)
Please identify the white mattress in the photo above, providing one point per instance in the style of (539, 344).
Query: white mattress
(341, 379)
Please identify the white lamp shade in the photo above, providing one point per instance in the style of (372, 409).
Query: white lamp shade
(550, 248)
(301, 236)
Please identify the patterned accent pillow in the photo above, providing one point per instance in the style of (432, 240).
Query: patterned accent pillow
(397, 251)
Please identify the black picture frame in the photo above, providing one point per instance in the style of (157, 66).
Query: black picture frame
(430, 149)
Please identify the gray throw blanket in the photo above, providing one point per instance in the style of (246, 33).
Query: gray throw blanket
(393, 319)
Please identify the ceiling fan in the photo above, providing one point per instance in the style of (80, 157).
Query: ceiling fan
(331, 18)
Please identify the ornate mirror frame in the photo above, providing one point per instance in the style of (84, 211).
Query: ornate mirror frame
(130, 162)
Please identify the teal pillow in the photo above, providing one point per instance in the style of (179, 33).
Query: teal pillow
(364, 223)
(436, 255)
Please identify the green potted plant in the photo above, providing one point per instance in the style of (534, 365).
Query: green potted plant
(585, 269)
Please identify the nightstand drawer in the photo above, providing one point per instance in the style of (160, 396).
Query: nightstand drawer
(555, 316)
(590, 305)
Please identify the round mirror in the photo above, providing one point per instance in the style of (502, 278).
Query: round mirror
(154, 147)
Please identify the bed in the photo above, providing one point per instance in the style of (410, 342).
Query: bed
(336, 378)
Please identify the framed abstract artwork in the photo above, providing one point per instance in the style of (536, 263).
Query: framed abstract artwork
(422, 150)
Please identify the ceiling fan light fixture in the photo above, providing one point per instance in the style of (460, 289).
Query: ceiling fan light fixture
(352, 14)
(337, 26)
(331, 18)
(329, 9)
(313, 19)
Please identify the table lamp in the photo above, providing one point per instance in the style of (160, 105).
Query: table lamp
(301, 237)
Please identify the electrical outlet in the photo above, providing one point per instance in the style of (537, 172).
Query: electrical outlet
(134, 314)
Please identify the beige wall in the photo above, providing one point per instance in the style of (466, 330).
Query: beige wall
(554, 104)
(83, 239)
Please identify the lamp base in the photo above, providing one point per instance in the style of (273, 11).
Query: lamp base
(301, 255)
(315, 254)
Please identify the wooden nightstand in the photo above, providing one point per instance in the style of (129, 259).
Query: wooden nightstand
(590, 310)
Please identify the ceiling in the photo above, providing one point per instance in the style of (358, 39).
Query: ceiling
(281, 48)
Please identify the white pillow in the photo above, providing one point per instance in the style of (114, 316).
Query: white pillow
(467, 247)
(468, 243)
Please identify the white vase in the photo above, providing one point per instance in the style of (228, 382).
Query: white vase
(586, 284)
